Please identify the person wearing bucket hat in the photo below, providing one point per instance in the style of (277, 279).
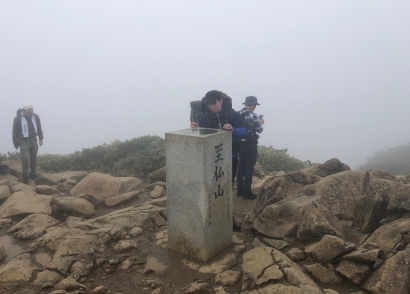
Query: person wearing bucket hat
(248, 148)
(26, 128)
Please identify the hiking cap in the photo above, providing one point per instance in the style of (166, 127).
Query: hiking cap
(212, 96)
(251, 100)
(28, 106)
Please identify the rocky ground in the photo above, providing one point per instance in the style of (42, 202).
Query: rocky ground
(326, 229)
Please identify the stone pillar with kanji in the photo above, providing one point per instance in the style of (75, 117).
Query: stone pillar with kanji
(199, 191)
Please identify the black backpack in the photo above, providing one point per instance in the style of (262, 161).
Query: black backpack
(198, 107)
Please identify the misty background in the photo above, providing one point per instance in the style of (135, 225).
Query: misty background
(332, 77)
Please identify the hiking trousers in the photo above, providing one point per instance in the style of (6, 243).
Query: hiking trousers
(247, 159)
(28, 152)
(234, 168)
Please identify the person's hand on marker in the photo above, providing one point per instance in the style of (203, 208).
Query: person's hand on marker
(40, 142)
(194, 125)
(228, 127)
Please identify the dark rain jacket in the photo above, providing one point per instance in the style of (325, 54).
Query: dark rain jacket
(18, 131)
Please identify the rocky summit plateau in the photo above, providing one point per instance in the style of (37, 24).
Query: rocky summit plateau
(326, 230)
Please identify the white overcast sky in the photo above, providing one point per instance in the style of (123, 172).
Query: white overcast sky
(332, 77)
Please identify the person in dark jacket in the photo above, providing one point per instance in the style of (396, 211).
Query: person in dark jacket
(26, 128)
(248, 148)
(220, 115)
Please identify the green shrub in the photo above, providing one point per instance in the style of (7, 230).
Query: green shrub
(277, 159)
(158, 175)
(138, 156)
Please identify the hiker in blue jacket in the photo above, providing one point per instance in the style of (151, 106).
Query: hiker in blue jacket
(220, 115)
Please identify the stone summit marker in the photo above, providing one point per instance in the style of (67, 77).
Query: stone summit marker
(199, 191)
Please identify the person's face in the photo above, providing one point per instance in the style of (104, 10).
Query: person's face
(216, 107)
(28, 113)
(252, 107)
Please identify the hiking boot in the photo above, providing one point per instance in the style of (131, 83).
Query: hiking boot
(239, 193)
(249, 195)
(25, 180)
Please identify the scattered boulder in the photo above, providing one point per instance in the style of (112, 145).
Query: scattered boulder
(46, 190)
(105, 186)
(279, 187)
(8, 177)
(61, 264)
(391, 236)
(393, 276)
(366, 255)
(3, 253)
(22, 204)
(354, 271)
(220, 263)
(135, 232)
(295, 254)
(48, 278)
(18, 270)
(199, 287)
(228, 277)
(72, 177)
(73, 206)
(381, 174)
(330, 167)
(323, 274)
(69, 284)
(100, 290)
(280, 220)
(400, 201)
(33, 226)
(329, 248)
(379, 193)
(82, 268)
(15, 167)
(277, 244)
(115, 200)
(4, 192)
(318, 222)
(123, 245)
(94, 200)
(254, 262)
(20, 187)
(158, 192)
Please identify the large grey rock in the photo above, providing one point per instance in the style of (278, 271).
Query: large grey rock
(393, 276)
(33, 226)
(69, 284)
(400, 201)
(379, 193)
(115, 200)
(280, 220)
(329, 248)
(391, 236)
(4, 192)
(381, 174)
(341, 193)
(277, 244)
(322, 274)
(73, 206)
(21, 204)
(20, 187)
(254, 262)
(354, 271)
(17, 270)
(318, 222)
(279, 187)
(105, 186)
(330, 167)
(199, 192)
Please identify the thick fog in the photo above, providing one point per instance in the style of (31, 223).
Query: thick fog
(332, 77)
